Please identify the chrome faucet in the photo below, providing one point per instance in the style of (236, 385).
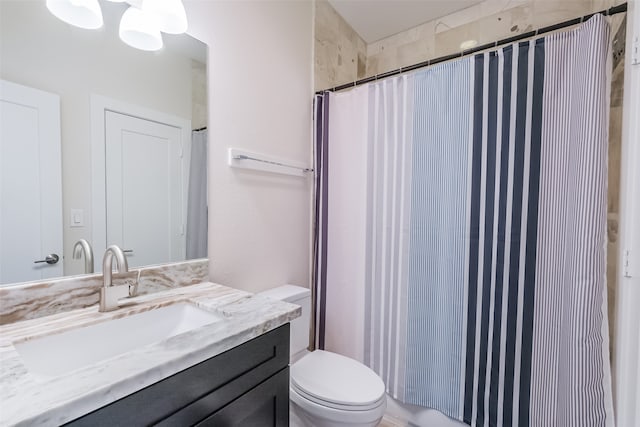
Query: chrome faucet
(82, 246)
(110, 294)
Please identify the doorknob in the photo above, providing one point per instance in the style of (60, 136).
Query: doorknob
(50, 259)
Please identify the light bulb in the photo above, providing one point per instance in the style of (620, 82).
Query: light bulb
(171, 16)
(140, 30)
(80, 13)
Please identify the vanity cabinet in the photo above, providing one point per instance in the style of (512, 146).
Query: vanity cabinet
(246, 386)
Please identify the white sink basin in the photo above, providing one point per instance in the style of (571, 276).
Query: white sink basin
(58, 354)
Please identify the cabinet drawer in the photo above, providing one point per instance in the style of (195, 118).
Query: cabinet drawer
(267, 405)
(251, 363)
(257, 403)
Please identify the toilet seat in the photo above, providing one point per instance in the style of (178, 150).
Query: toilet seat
(318, 415)
(336, 381)
(329, 404)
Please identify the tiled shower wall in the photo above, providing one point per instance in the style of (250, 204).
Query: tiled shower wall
(341, 56)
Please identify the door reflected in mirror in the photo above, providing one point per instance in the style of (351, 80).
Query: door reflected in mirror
(98, 142)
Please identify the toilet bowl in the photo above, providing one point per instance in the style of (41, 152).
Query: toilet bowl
(327, 389)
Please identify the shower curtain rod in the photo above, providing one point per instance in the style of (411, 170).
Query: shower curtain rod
(607, 12)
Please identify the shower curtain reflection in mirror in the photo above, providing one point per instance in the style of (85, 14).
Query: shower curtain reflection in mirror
(197, 206)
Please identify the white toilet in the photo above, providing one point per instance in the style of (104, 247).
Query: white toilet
(327, 389)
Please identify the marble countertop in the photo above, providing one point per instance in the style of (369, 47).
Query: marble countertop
(27, 399)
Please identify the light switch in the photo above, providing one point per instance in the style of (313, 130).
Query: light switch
(77, 218)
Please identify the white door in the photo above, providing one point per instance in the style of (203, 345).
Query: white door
(145, 197)
(30, 184)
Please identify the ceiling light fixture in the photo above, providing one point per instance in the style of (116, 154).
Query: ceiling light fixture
(171, 16)
(139, 29)
(140, 25)
(80, 13)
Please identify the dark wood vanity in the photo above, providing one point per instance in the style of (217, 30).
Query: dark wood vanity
(246, 386)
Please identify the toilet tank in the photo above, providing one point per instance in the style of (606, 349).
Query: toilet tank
(299, 326)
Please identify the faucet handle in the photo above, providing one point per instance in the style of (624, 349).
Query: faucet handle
(133, 284)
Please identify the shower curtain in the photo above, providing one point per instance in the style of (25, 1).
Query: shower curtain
(465, 247)
(197, 225)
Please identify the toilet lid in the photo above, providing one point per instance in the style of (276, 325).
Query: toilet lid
(336, 379)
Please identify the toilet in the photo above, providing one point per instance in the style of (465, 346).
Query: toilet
(327, 389)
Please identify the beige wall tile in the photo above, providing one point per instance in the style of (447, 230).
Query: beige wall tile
(618, 24)
(415, 52)
(407, 48)
(618, 29)
(601, 4)
(382, 63)
(376, 47)
(615, 144)
(340, 54)
(324, 69)
(612, 263)
(501, 25)
(549, 12)
(443, 36)
(327, 21)
(471, 14)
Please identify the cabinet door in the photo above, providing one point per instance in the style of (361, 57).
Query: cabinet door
(195, 393)
(267, 405)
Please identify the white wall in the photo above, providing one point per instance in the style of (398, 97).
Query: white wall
(627, 361)
(91, 62)
(260, 92)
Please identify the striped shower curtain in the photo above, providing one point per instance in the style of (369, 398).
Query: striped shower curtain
(465, 247)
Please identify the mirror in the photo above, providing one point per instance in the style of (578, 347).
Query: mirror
(130, 131)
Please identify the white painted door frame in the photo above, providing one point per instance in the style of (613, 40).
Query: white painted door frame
(627, 340)
(99, 106)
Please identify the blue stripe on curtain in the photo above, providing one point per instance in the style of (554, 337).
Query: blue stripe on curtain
(320, 236)
(437, 236)
(532, 233)
(505, 64)
(489, 147)
(474, 240)
(516, 223)
(508, 136)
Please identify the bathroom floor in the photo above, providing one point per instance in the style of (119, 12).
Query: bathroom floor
(386, 422)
